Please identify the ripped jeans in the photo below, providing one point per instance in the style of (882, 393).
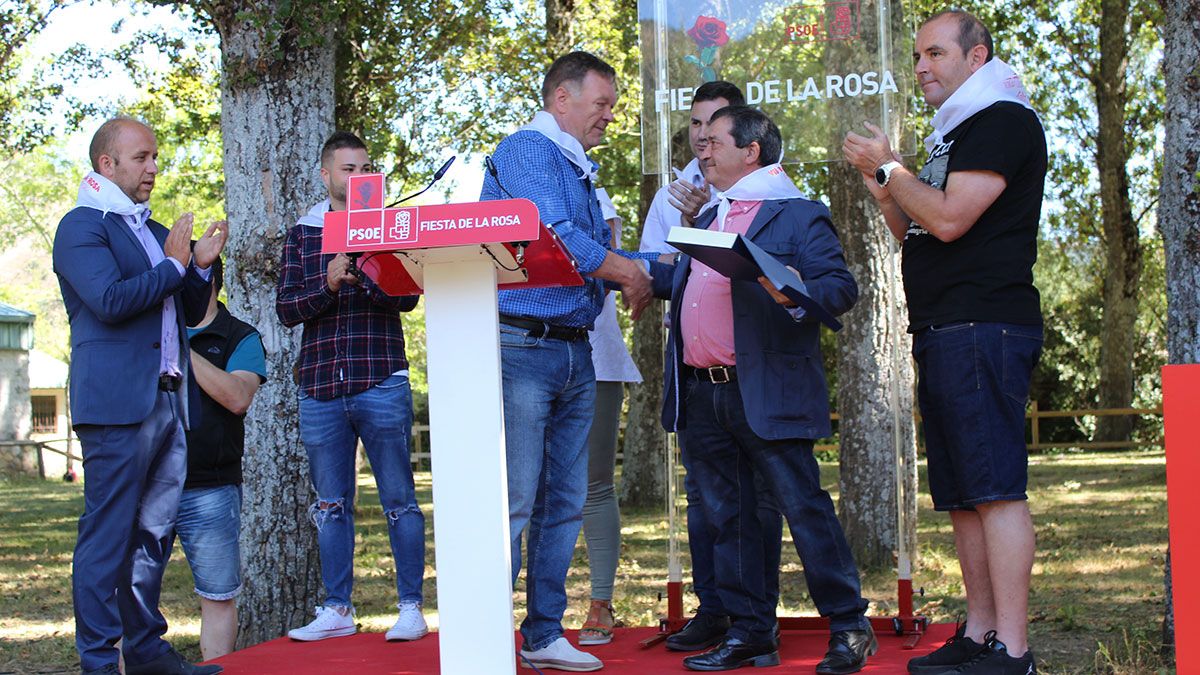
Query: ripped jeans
(382, 417)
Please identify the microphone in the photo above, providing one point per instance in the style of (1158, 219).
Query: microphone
(436, 177)
(491, 168)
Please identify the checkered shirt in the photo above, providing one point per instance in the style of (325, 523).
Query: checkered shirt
(352, 339)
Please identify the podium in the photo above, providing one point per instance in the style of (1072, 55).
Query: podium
(457, 255)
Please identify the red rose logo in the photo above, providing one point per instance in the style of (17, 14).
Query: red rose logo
(708, 32)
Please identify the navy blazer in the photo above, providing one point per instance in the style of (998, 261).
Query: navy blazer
(779, 369)
(114, 305)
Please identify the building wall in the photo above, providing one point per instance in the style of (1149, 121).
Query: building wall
(15, 409)
(15, 412)
(56, 464)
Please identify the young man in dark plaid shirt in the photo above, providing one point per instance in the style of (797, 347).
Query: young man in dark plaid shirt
(353, 381)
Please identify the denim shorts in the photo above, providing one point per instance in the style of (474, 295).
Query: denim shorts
(208, 523)
(973, 385)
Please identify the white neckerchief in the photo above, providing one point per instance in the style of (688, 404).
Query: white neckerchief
(316, 215)
(100, 193)
(545, 124)
(769, 182)
(996, 81)
(690, 173)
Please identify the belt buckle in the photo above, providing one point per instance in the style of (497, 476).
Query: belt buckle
(712, 374)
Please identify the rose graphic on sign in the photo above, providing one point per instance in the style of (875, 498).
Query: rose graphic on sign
(709, 35)
(365, 192)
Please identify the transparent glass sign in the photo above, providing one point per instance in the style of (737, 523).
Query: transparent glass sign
(818, 69)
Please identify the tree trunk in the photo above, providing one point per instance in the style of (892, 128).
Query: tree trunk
(1179, 205)
(1123, 268)
(276, 111)
(643, 469)
(875, 377)
(559, 36)
(1168, 633)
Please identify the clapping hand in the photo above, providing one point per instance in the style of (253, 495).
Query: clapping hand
(689, 199)
(179, 240)
(208, 248)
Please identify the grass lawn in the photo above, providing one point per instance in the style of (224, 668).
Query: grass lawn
(1096, 605)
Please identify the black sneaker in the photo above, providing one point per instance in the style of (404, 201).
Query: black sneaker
(958, 649)
(702, 632)
(994, 660)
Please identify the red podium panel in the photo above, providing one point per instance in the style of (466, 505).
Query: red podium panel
(394, 244)
(1181, 432)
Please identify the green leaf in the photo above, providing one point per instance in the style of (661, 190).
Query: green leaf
(691, 58)
(708, 55)
(708, 74)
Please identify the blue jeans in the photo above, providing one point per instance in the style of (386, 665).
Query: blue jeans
(549, 395)
(702, 539)
(726, 455)
(382, 417)
(134, 476)
(208, 524)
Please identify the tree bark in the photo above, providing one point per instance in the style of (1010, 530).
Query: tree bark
(276, 110)
(1123, 249)
(1179, 206)
(643, 469)
(875, 376)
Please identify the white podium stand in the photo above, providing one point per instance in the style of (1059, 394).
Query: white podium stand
(457, 255)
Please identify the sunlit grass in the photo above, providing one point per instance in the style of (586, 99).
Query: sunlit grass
(1096, 604)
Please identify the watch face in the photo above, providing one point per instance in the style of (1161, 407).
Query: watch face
(881, 176)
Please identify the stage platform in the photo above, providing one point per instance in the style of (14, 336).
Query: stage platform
(370, 654)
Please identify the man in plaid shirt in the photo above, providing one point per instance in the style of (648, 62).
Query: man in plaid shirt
(353, 380)
(549, 383)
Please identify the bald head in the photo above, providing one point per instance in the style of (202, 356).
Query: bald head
(104, 141)
(125, 151)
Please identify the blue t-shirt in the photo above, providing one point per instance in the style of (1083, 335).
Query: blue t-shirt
(248, 355)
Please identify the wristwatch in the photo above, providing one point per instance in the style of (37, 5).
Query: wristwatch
(884, 173)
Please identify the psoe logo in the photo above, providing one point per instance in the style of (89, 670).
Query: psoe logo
(364, 235)
(822, 22)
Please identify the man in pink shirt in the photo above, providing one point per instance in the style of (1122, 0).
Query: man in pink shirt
(746, 389)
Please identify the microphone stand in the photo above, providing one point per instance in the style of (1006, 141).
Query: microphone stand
(519, 254)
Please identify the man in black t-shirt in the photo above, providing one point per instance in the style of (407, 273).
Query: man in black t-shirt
(968, 222)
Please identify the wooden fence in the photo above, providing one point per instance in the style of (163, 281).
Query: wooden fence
(1034, 414)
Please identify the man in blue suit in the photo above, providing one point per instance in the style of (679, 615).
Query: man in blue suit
(745, 387)
(130, 287)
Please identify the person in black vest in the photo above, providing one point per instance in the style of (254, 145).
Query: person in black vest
(229, 364)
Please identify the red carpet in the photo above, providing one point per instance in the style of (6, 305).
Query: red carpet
(369, 654)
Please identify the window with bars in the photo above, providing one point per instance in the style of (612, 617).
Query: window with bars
(45, 414)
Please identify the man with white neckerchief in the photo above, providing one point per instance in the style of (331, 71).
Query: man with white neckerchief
(968, 222)
(549, 380)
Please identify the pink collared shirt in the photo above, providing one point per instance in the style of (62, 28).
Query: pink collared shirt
(706, 316)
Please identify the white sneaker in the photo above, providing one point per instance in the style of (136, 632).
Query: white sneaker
(560, 655)
(331, 622)
(410, 625)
